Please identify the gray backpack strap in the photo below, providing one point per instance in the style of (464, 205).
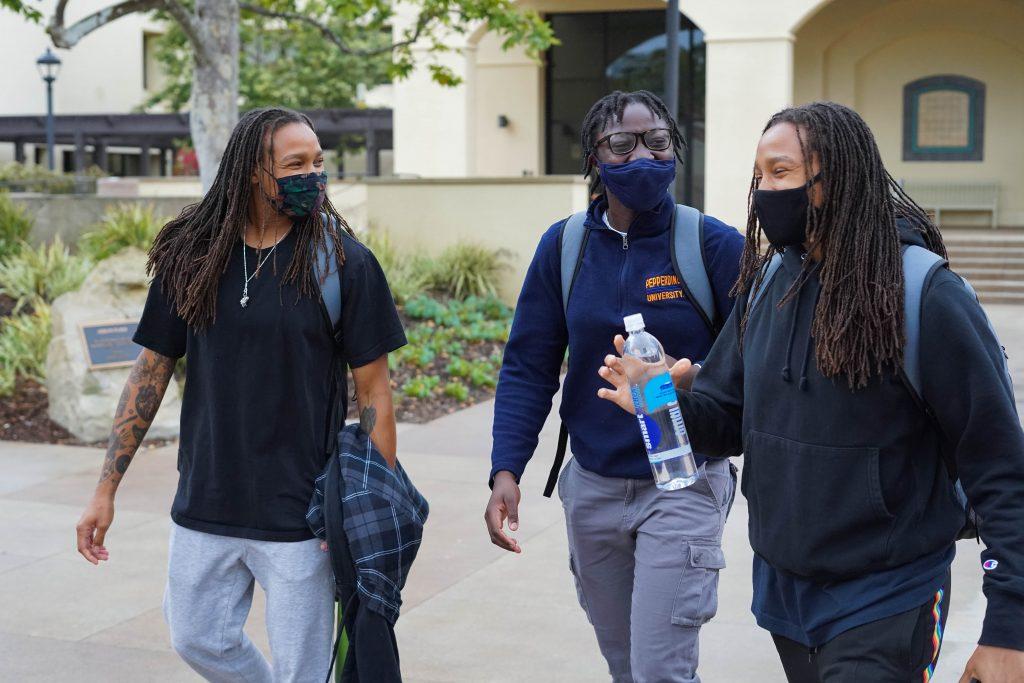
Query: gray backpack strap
(326, 264)
(572, 241)
(754, 295)
(688, 261)
(918, 263)
(571, 252)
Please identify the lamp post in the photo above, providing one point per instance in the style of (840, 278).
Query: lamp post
(49, 67)
(672, 62)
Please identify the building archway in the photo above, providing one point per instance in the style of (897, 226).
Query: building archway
(867, 53)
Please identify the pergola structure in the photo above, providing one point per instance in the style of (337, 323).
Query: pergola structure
(147, 132)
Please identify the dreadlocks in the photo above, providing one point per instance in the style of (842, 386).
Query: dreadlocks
(610, 108)
(858, 322)
(192, 251)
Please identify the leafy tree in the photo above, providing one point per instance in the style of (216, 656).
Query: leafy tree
(22, 8)
(279, 65)
(213, 33)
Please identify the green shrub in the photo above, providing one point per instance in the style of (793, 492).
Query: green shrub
(457, 390)
(465, 270)
(42, 274)
(421, 386)
(407, 275)
(15, 226)
(124, 225)
(33, 178)
(459, 367)
(483, 374)
(24, 340)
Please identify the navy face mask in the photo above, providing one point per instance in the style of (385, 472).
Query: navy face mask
(783, 214)
(640, 185)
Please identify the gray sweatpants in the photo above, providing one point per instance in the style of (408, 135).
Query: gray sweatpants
(646, 565)
(210, 581)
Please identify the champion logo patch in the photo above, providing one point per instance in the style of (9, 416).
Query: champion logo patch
(989, 565)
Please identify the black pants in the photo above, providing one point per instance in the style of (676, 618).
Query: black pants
(899, 649)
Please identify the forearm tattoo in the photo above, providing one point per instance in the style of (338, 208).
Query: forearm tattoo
(368, 419)
(135, 412)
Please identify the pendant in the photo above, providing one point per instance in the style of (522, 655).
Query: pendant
(244, 300)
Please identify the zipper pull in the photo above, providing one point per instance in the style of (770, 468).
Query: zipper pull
(625, 242)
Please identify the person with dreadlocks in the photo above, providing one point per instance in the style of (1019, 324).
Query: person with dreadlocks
(645, 561)
(849, 469)
(235, 287)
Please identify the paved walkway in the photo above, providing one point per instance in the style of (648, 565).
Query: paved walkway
(472, 613)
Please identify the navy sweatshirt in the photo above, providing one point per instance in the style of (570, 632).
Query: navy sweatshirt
(845, 485)
(619, 276)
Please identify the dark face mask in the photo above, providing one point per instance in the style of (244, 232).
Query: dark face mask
(640, 185)
(783, 214)
(300, 195)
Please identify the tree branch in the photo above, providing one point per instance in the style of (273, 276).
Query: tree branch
(188, 24)
(421, 25)
(68, 36)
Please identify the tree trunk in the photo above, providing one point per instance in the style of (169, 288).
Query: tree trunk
(214, 105)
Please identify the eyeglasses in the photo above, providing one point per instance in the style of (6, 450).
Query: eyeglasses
(656, 140)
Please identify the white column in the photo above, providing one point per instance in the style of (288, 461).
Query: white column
(748, 80)
(433, 124)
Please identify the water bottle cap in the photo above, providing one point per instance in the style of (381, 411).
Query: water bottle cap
(634, 323)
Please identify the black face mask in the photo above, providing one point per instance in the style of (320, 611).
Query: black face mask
(783, 214)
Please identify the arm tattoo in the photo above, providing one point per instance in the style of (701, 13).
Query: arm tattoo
(368, 419)
(135, 412)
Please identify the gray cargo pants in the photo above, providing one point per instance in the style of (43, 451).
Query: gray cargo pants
(646, 565)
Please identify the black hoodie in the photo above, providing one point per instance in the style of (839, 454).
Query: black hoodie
(844, 483)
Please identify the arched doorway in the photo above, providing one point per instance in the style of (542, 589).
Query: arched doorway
(606, 51)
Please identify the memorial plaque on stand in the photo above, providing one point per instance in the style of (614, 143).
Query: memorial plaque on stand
(109, 344)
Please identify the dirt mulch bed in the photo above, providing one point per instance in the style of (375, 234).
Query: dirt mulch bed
(23, 416)
(7, 305)
(420, 410)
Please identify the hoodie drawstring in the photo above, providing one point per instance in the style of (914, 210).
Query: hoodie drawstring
(807, 348)
(787, 375)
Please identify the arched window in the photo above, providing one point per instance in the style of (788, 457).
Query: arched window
(944, 119)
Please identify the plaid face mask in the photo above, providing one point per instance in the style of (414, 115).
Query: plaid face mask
(300, 195)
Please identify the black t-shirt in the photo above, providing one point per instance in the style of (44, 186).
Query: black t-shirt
(266, 390)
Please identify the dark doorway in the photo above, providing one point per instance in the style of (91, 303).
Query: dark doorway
(606, 51)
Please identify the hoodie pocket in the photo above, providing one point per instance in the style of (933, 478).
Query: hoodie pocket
(815, 511)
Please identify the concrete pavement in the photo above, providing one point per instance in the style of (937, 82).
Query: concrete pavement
(472, 613)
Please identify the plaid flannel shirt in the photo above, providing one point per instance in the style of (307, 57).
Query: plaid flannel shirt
(383, 516)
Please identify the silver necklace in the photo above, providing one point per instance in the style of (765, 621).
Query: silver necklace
(245, 270)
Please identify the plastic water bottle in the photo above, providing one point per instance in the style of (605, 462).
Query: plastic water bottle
(657, 410)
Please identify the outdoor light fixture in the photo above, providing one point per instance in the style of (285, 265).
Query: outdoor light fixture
(49, 67)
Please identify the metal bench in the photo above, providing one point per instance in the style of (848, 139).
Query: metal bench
(939, 197)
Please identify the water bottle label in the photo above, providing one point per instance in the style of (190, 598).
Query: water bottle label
(677, 422)
(650, 431)
(659, 392)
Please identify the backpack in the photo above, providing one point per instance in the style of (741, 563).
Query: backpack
(327, 263)
(918, 265)
(687, 237)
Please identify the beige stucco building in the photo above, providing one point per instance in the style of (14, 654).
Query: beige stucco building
(941, 82)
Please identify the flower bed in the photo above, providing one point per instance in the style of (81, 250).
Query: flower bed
(457, 330)
(453, 355)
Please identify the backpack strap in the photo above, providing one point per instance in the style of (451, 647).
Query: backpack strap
(918, 264)
(571, 243)
(689, 266)
(327, 263)
(769, 269)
